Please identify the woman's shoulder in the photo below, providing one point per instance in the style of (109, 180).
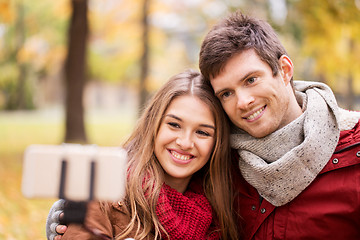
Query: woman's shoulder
(120, 218)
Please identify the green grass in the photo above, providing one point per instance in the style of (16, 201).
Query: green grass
(22, 218)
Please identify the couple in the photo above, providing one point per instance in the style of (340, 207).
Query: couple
(295, 160)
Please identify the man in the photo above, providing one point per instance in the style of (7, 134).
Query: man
(298, 153)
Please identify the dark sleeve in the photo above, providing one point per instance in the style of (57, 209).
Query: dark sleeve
(96, 220)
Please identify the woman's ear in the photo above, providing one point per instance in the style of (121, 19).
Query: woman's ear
(286, 68)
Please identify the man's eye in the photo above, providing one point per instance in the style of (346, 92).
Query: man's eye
(225, 95)
(251, 80)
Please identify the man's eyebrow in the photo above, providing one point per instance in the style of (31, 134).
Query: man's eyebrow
(220, 91)
(177, 118)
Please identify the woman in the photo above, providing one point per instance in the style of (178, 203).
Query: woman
(178, 171)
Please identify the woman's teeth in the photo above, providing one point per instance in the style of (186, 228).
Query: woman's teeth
(180, 156)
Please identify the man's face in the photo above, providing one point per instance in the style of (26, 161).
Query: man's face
(255, 100)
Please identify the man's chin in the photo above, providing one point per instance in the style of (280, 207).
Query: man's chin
(258, 133)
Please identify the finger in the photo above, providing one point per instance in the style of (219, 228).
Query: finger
(53, 227)
(55, 217)
(60, 229)
(61, 216)
(58, 237)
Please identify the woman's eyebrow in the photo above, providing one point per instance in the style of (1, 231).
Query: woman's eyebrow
(208, 126)
(177, 118)
(173, 116)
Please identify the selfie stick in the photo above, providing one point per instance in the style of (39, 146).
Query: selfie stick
(75, 212)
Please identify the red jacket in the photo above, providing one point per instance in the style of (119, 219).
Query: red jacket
(329, 208)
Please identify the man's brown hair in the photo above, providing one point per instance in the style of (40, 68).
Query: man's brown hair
(235, 34)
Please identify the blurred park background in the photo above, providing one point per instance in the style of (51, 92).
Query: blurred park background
(80, 71)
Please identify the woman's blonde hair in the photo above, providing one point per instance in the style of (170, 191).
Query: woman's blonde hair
(145, 174)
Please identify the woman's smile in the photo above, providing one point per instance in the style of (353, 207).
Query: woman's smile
(181, 157)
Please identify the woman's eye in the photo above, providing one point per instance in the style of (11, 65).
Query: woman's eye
(203, 133)
(173, 124)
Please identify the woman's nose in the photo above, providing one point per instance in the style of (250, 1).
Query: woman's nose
(185, 142)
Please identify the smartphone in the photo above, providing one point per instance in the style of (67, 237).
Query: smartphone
(74, 172)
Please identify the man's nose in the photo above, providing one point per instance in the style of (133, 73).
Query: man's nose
(244, 99)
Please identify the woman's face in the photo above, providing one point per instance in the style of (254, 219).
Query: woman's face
(185, 140)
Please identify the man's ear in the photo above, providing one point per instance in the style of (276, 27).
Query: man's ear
(286, 68)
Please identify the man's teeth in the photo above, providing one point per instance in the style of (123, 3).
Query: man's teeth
(254, 115)
(180, 156)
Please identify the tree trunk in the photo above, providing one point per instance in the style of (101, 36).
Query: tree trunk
(20, 39)
(75, 71)
(145, 55)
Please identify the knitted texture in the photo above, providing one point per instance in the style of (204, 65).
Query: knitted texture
(53, 219)
(185, 216)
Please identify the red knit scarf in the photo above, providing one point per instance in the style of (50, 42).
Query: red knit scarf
(185, 216)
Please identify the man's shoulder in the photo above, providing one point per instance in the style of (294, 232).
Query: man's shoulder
(350, 129)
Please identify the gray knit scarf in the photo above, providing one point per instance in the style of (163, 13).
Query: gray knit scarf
(281, 165)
